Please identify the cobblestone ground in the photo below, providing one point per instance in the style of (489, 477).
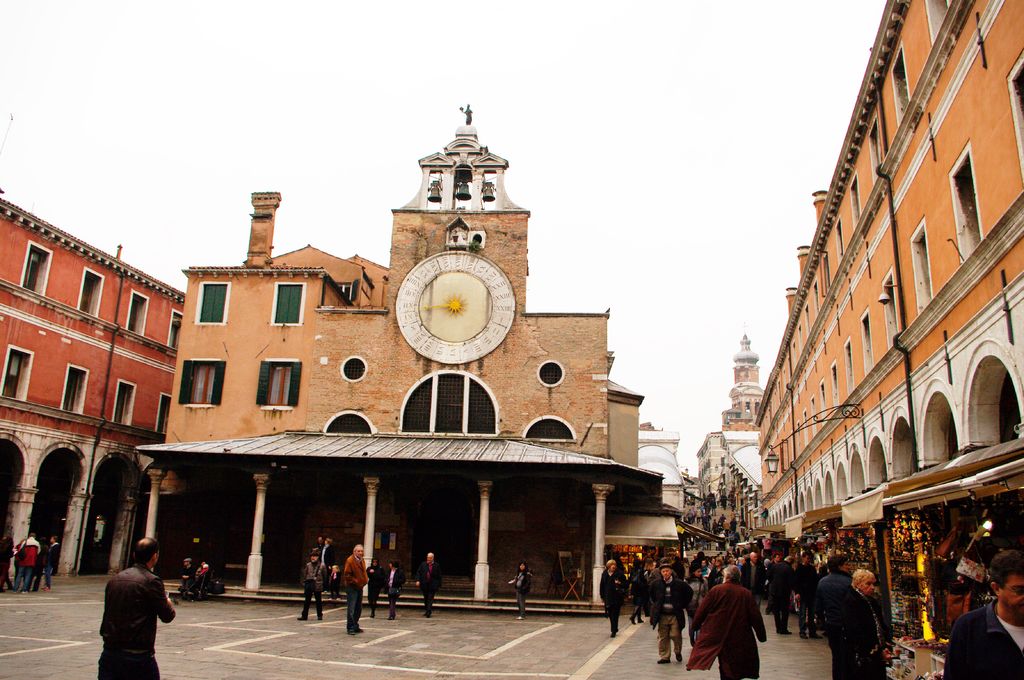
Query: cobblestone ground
(57, 632)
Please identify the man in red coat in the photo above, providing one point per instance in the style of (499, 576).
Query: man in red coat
(727, 620)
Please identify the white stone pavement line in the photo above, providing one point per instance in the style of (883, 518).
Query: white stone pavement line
(488, 655)
(597, 660)
(47, 604)
(384, 639)
(62, 645)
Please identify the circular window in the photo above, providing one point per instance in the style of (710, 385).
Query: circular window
(353, 369)
(551, 373)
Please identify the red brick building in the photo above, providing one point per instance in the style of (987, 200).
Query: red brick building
(88, 350)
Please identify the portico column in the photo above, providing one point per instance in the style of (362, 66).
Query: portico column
(601, 492)
(155, 478)
(71, 548)
(370, 526)
(482, 577)
(254, 567)
(21, 511)
(122, 531)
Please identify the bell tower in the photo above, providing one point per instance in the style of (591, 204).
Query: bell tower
(465, 176)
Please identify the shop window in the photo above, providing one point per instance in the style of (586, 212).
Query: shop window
(213, 299)
(17, 368)
(279, 383)
(137, 313)
(124, 402)
(452, 403)
(965, 207)
(74, 389)
(92, 289)
(37, 269)
(202, 382)
(922, 267)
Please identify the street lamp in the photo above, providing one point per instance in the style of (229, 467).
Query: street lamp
(772, 461)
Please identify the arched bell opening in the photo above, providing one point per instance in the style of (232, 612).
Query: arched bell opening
(463, 187)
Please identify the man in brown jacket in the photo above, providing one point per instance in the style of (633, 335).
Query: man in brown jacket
(355, 578)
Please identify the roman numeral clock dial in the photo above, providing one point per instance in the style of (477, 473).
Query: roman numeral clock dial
(455, 307)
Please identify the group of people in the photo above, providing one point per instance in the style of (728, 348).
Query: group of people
(35, 562)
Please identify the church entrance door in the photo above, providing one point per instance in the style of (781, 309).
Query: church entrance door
(445, 527)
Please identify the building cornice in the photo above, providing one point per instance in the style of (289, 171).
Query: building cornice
(82, 419)
(51, 233)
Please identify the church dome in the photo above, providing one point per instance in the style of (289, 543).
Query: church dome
(746, 355)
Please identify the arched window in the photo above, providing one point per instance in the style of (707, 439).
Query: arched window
(451, 403)
(349, 423)
(549, 428)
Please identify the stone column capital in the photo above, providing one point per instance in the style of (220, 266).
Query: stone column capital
(601, 491)
(262, 480)
(485, 488)
(372, 484)
(156, 475)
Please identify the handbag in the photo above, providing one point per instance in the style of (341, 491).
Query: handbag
(394, 592)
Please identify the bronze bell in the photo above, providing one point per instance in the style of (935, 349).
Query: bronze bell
(462, 191)
(434, 192)
(487, 193)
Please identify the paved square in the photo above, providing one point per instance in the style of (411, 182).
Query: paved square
(59, 631)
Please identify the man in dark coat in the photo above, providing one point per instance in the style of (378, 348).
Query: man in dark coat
(805, 583)
(987, 642)
(828, 604)
(670, 597)
(328, 556)
(314, 576)
(728, 620)
(428, 580)
(780, 590)
(753, 577)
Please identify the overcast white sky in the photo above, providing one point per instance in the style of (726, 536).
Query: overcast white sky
(668, 151)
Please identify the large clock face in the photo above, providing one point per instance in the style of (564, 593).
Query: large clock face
(455, 307)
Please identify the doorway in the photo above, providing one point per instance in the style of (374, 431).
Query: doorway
(444, 526)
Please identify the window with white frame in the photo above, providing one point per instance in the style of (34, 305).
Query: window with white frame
(855, 200)
(821, 391)
(37, 268)
(450, 403)
(1016, 85)
(137, 309)
(874, 150)
(92, 291)
(848, 355)
(827, 271)
(900, 85)
(807, 431)
(17, 367)
(124, 402)
(814, 410)
(922, 266)
(213, 303)
(936, 13)
(840, 246)
(965, 205)
(865, 338)
(174, 331)
(889, 308)
(75, 382)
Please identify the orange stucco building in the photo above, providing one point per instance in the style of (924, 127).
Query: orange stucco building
(909, 295)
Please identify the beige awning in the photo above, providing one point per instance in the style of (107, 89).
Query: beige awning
(684, 528)
(864, 508)
(641, 529)
(767, 530)
(795, 526)
(812, 517)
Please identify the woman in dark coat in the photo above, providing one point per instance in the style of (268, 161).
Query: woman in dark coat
(866, 636)
(521, 582)
(394, 579)
(375, 574)
(781, 588)
(613, 592)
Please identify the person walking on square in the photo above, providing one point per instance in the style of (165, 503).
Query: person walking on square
(753, 577)
(613, 591)
(805, 582)
(42, 564)
(314, 575)
(988, 642)
(132, 602)
(6, 552)
(828, 605)
(394, 580)
(521, 582)
(640, 589)
(375, 573)
(25, 562)
(670, 597)
(866, 636)
(354, 576)
(781, 589)
(53, 562)
(428, 580)
(729, 620)
(699, 586)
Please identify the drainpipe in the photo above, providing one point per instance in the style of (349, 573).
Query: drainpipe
(897, 340)
(103, 414)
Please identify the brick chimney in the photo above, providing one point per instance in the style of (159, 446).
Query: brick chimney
(801, 256)
(261, 234)
(819, 204)
(790, 298)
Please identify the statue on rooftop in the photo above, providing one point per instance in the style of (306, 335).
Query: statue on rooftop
(469, 114)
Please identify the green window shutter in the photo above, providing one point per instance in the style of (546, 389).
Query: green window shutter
(185, 395)
(289, 300)
(214, 296)
(218, 381)
(263, 384)
(293, 384)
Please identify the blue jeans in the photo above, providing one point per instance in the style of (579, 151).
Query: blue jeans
(47, 573)
(118, 665)
(354, 605)
(23, 580)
